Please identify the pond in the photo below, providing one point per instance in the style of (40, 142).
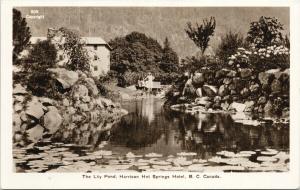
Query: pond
(152, 138)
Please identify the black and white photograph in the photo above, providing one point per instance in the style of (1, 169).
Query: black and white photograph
(128, 90)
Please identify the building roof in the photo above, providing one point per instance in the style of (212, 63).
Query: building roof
(87, 41)
(95, 41)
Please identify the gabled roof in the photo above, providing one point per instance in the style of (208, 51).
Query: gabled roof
(87, 41)
(95, 41)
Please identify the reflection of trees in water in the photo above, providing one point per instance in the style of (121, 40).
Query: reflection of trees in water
(83, 134)
(135, 131)
(216, 132)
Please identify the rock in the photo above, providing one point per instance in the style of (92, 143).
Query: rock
(18, 107)
(231, 74)
(83, 107)
(35, 109)
(238, 106)
(65, 102)
(18, 98)
(262, 100)
(80, 91)
(268, 109)
(46, 101)
(86, 99)
(227, 81)
(224, 106)
(254, 87)
(222, 90)
(19, 89)
(52, 120)
(92, 87)
(35, 133)
(16, 122)
(276, 86)
(65, 77)
(265, 78)
(217, 99)
(244, 73)
(202, 101)
(106, 102)
(209, 90)
(245, 92)
(221, 73)
(199, 92)
(285, 113)
(198, 79)
(249, 106)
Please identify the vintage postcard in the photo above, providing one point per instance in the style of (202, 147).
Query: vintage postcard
(141, 94)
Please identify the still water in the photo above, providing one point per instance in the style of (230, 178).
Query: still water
(150, 128)
(151, 138)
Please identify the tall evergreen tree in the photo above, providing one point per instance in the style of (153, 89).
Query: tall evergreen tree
(21, 34)
(170, 59)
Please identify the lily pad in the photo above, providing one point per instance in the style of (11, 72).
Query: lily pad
(266, 159)
(187, 154)
(153, 155)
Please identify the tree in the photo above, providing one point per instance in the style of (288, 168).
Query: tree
(170, 59)
(265, 32)
(21, 34)
(73, 46)
(229, 44)
(42, 55)
(201, 34)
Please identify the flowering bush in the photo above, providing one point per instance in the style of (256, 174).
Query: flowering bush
(270, 57)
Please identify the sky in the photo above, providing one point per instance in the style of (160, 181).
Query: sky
(156, 22)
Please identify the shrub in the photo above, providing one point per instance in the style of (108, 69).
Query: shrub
(228, 46)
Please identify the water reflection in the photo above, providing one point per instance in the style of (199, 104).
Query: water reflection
(150, 128)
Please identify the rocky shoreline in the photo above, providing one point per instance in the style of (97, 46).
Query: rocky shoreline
(37, 118)
(265, 94)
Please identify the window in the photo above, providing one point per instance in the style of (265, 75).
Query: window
(95, 57)
(95, 47)
(61, 57)
(95, 68)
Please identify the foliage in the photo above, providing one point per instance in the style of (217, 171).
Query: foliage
(261, 59)
(201, 34)
(41, 56)
(265, 32)
(170, 59)
(136, 54)
(21, 34)
(229, 44)
(74, 47)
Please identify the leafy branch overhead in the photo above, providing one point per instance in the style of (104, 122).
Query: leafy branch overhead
(201, 33)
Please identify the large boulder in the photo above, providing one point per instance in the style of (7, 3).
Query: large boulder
(199, 92)
(19, 89)
(231, 74)
(52, 120)
(244, 73)
(90, 83)
(35, 134)
(35, 109)
(65, 77)
(209, 90)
